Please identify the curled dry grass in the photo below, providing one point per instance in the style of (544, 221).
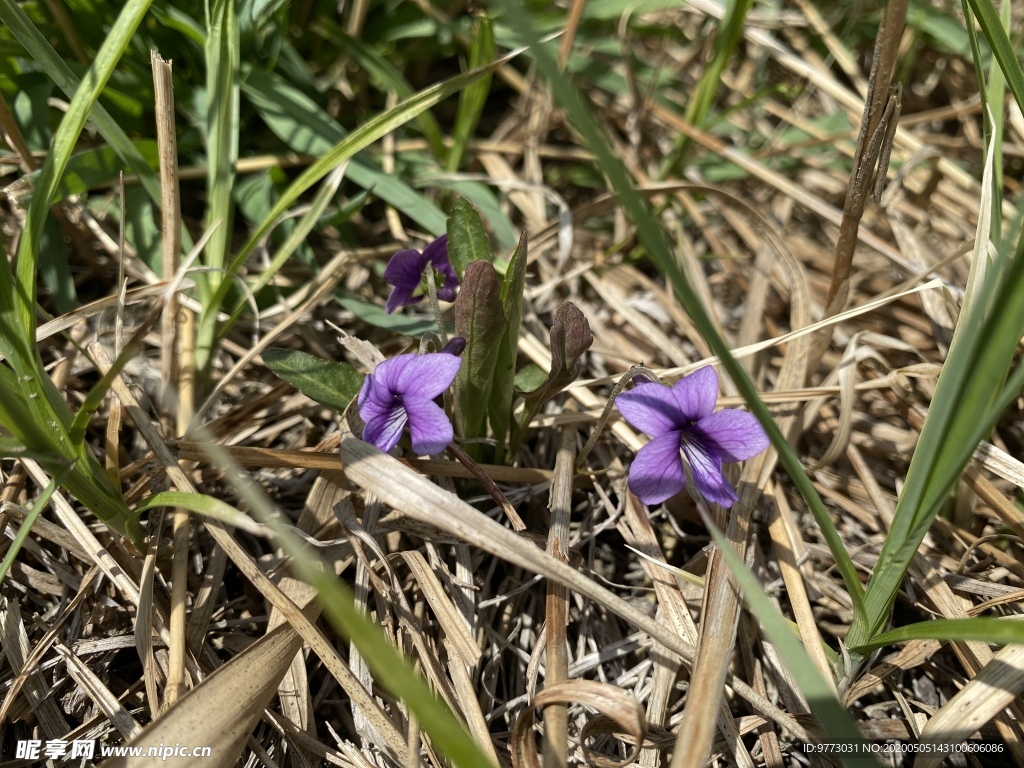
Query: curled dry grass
(92, 633)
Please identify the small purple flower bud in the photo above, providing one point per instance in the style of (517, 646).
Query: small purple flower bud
(405, 273)
(401, 391)
(455, 347)
(683, 419)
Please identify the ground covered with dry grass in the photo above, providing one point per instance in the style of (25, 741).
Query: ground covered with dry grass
(100, 641)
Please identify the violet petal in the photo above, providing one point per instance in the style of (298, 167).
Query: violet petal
(696, 394)
(706, 464)
(738, 435)
(385, 428)
(423, 376)
(428, 425)
(653, 409)
(657, 471)
(406, 268)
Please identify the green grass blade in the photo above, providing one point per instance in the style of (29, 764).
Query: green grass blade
(386, 75)
(26, 33)
(652, 237)
(221, 124)
(46, 407)
(368, 133)
(304, 127)
(1002, 48)
(986, 629)
(365, 135)
(389, 667)
(820, 696)
(474, 97)
(730, 32)
(222, 70)
(30, 519)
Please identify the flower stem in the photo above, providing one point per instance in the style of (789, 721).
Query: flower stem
(634, 371)
(432, 293)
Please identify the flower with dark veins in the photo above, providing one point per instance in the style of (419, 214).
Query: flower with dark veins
(683, 418)
(405, 274)
(401, 391)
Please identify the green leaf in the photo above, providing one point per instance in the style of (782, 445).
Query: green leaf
(500, 407)
(329, 383)
(529, 379)
(480, 320)
(474, 97)
(985, 629)
(374, 314)
(47, 59)
(467, 238)
(304, 127)
(86, 170)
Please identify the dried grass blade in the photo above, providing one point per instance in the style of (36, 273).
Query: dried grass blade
(101, 696)
(419, 499)
(982, 699)
(222, 710)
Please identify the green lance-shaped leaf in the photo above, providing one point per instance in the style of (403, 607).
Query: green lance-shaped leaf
(329, 383)
(474, 97)
(467, 238)
(480, 320)
(570, 338)
(505, 369)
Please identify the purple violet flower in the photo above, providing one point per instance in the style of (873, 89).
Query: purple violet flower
(405, 273)
(681, 418)
(402, 390)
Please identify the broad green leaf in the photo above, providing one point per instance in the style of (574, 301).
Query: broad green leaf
(474, 97)
(500, 407)
(483, 199)
(480, 320)
(529, 379)
(467, 238)
(329, 383)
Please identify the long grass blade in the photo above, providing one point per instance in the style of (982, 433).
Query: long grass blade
(653, 239)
